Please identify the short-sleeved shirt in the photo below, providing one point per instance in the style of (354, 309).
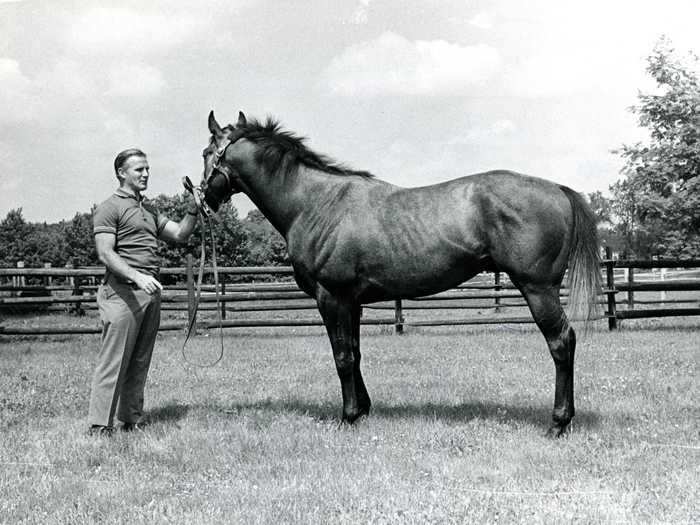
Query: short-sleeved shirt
(136, 226)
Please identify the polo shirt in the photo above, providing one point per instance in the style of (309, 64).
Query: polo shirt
(136, 226)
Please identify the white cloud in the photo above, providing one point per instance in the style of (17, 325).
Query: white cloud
(109, 30)
(477, 134)
(360, 16)
(48, 95)
(10, 74)
(16, 88)
(392, 64)
(482, 21)
(67, 79)
(134, 80)
(596, 50)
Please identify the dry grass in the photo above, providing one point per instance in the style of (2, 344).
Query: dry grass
(456, 433)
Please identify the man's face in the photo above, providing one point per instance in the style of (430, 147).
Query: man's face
(134, 174)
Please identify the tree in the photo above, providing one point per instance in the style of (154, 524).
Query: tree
(14, 231)
(267, 246)
(659, 195)
(610, 229)
(230, 237)
(78, 240)
(601, 206)
(249, 242)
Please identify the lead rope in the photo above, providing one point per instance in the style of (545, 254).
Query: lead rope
(200, 274)
(216, 290)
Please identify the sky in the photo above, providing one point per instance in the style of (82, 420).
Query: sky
(416, 92)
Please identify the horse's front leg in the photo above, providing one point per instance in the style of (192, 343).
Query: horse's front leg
(337, 315)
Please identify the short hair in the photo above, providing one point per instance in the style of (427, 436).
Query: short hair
(125, 155)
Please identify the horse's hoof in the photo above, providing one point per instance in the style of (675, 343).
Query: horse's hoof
(352, 419)
(557, 430)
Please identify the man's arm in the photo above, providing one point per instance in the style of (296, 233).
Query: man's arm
(180, 231)
(104, 243)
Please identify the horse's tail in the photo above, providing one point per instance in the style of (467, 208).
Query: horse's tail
(584, 260)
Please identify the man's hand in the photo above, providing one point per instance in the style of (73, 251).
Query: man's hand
(147, 283)
(180, 231)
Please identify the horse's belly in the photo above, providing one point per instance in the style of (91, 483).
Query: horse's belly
(416, 276)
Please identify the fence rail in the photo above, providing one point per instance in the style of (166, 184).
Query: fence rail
(491, 293)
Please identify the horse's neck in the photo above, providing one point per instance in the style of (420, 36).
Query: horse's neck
(283, 196)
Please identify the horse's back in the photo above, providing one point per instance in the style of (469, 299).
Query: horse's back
(386, 241)
(491, 220)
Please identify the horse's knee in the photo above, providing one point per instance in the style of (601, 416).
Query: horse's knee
(563, 347)
(344, 363)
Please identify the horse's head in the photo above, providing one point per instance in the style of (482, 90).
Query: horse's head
(220, 179)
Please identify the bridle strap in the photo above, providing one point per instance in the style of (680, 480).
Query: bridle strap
(217, 168)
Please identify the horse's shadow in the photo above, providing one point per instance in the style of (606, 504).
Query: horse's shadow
(167, 413)
(458, 413)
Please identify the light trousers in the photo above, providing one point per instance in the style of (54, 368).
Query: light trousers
(130, 320)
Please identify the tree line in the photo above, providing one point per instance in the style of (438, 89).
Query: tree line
(251, 241)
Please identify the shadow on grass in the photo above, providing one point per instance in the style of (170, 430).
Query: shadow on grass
(462, 412)
(538, 416)
(167, 413)
(682, 324)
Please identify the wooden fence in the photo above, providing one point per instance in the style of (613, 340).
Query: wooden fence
(492, 295)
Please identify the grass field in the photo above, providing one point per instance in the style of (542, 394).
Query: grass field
(455, 436)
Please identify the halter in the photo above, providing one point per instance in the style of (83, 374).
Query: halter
(216, 169)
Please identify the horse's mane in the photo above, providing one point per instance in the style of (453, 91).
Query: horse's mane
(282, 149)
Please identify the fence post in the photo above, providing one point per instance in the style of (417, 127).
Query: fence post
(77, 290)
(48, 280)
(71, 279)
(610, 271)
(190, 289)
(223, 301)
(497, 288)
(630, 292)
(21, 281)
(663, 278)
(398, 317)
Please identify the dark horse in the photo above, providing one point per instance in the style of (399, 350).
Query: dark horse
(354, 239)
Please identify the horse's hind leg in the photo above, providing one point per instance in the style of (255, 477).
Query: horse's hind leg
(363, 399)
(550, 318)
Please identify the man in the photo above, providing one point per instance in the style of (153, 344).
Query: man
(126, 232)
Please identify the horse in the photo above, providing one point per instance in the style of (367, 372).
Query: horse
(354, 239)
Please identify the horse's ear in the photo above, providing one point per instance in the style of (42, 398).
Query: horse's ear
(241, 120)
(214, 127)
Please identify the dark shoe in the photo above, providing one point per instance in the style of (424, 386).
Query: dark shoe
(100, 430)
(133, 427)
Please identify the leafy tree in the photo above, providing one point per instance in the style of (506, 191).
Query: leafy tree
(609, 228)
(601, 206)
(231, 239)
(44, 244)
(658, 201)
(14, 231)
(267, 246)
(79, 244)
